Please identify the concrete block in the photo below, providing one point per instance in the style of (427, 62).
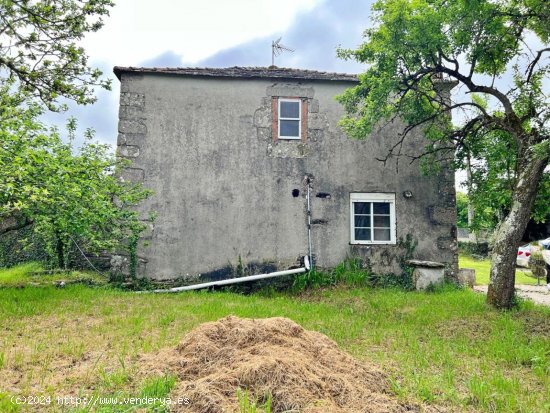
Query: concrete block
(289, 90)
(288, 149)
(135, 175)
(131, 126)
(130, 112)
(423, 277)
(120, 264)
(136, 139)
(442, 215)
(128, 151)
(467, 277)
(132, 99)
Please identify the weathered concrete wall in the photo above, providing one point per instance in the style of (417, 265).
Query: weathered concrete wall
(224, 189)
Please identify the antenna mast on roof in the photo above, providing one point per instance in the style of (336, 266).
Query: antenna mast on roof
(277, 48)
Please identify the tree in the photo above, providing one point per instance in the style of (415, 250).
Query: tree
(462, 203)
(415, 47)
(39, 48)
(69, 196)
(493, 176)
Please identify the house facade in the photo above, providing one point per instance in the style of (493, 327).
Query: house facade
(231, 154)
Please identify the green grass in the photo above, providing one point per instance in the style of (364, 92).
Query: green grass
(445, 348)
(33, 273)
(482, 267)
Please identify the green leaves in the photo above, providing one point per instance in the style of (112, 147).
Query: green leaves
(418, 49)
(39, 48)
(68, 194)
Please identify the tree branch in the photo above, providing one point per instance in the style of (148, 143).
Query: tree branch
(531, 67)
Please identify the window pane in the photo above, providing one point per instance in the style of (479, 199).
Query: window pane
(382, 221)
(362, 234)
(381, 207)
(382, 235)
(362, 221)
(362, 207)
(290, 128)
(290, 110)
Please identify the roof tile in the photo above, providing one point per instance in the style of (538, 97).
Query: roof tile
(271, 72)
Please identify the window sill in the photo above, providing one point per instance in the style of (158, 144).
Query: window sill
(373, 243)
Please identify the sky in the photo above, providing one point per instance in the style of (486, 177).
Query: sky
(215, 33)
(218, 33)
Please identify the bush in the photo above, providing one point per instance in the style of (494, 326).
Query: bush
(538, 265)
(351, 271)
(474, 248)
(24, 245)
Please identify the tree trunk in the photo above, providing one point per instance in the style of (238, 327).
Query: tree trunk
(510, 231)
(471, 233)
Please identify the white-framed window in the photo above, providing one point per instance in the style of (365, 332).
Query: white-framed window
(372, 218)
(290, 118)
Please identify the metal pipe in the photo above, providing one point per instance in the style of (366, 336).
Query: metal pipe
(309, 246)
(236, 280)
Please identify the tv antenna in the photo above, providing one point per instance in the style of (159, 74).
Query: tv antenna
(277, 48)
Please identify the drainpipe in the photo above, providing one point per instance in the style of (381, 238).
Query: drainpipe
(230, 281)
(308, 196)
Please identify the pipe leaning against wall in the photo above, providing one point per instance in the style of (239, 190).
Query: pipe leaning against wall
(309, 244)
(235, 280)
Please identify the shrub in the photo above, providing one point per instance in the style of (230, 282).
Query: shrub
(474, 248)
(538, 265)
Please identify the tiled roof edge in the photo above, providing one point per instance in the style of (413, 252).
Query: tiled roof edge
(242, 72)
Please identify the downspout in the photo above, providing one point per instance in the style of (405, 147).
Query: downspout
(235, 280)
(308, 197)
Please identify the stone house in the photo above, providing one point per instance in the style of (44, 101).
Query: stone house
(230, 155)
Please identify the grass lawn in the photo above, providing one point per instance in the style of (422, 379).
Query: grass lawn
(482, 267)
(445, 348)
(34, 274)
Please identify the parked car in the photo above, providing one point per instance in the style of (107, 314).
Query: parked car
(525, 251)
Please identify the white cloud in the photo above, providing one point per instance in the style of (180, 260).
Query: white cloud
(140, 29)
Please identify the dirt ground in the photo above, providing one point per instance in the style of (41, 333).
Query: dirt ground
(535, 293)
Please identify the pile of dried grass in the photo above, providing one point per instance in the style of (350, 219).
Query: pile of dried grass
(303, 371)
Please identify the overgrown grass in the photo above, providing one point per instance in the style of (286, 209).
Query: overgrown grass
(483, 267)
(445, 347)
(33, 273)
(247, 405)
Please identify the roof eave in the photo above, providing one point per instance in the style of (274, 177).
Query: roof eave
(251, 74)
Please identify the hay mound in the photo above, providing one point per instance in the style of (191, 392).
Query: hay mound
(304, 371)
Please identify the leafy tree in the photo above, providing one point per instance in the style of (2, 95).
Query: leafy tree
(68, 195)
(462, 210)
(416, 48)
(493, 175)
(39, 48)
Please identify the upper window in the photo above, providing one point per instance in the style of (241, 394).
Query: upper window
(372, 218)
(290, 119)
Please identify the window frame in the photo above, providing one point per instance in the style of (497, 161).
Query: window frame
(376, 197)
(280, 118)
